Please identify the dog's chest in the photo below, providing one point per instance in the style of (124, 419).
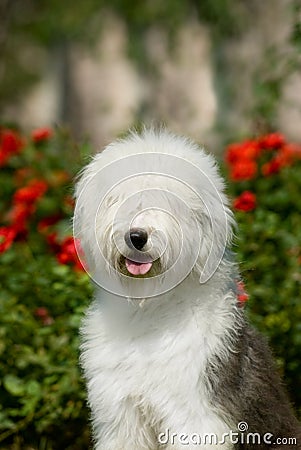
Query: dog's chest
(156, 355)
(169, 381)
(163, 371)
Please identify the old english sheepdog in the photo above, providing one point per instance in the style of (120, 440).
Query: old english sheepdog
(169, 357)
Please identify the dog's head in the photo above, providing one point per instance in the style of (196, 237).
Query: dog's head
(150, 210)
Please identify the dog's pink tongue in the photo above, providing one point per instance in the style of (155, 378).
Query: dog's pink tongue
(136, 268)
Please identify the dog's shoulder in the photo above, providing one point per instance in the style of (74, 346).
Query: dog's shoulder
(248, 387)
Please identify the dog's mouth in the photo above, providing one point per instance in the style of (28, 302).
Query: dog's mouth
(145, 269)
(138, 268)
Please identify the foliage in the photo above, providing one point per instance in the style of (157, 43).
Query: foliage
(265, 176)
(273, 71)
(28, 24)
(43, 296)
(45, 292)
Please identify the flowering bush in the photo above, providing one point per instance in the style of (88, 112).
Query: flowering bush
(246, 201)
(44, 292)
(265, 184)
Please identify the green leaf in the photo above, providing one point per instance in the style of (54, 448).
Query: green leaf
(14, 385)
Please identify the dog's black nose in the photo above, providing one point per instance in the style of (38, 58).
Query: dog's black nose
(136, 237)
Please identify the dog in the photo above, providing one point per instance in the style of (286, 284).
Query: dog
(169, 357)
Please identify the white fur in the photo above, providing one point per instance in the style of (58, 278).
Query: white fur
(144, 358)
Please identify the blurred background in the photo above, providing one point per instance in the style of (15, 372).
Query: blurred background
(212, 69)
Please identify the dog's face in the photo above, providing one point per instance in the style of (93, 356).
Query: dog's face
(145, 226)
(150, 210)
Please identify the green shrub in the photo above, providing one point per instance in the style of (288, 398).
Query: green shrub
(265, 184)
(42, 298)
(44, 290)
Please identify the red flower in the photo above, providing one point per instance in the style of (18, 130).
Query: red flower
(10, 144)
(245, 202)
(19, 214)
(41, 134)
(233, 153)
(43, 315)
(248, 150)
(68, 253)
(30, 193)
(242, 160)
(285, 156)
(7, 236)
(243, 170)
(288, 154)
(47, 222)
(271, 167)
(24, 204)
(242, 295)
(53, 242)
(41, 312)
(272, 141)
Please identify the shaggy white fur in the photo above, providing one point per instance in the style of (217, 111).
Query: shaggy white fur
(161, 309)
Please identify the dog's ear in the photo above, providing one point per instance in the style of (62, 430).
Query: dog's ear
(216, 223)
(84, 216)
